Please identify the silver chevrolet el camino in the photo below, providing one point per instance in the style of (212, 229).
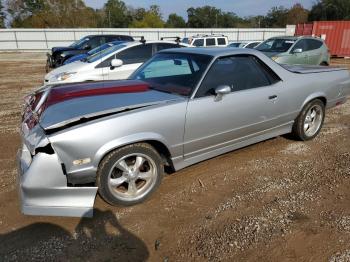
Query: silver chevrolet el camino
(181, 107)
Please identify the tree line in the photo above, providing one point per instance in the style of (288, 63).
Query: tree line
(116, 14)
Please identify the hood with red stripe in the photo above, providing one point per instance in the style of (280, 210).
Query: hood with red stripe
(58, 106)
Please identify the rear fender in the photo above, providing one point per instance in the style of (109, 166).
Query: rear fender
(312, 97)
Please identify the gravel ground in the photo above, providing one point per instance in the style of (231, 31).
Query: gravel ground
(279, 200)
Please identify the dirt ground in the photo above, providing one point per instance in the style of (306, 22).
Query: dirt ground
(279, 200)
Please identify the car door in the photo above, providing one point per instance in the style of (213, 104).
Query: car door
(255, 105)
(132, 58)
(314, 51)
(299, 57)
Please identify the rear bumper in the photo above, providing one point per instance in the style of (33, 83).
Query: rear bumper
(43, 188)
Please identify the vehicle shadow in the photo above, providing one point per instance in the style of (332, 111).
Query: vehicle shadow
(100, 238)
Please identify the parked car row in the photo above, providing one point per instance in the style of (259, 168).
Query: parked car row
(115, 62)
(179, 105)
(59, 55)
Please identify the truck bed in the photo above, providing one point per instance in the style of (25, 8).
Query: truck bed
(311, 69)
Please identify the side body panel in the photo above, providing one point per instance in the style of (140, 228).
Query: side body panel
(211, 124)
(122, 72)
(163, 123)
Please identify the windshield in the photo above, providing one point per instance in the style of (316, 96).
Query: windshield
(276, 45)
(99, 48)
(80, 42)
(173, 72)
(235, 44)
(103, 53)
(185, 40)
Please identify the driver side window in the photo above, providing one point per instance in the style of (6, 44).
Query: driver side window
(107, 62)
(94, 42)
(301, 44)
(237, 72)
(135, 54)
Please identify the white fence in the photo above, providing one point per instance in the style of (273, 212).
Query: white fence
(44, 39)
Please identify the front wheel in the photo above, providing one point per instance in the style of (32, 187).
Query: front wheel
(130, 174)
(310, 120)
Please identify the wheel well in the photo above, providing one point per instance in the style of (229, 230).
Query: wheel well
(323, 99)
(159, 147)
(164, 153)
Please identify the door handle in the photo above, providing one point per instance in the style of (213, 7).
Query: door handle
(273, 97)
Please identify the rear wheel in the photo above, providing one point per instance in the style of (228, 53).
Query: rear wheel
(324, 64)
(130, 174)
(310, 120)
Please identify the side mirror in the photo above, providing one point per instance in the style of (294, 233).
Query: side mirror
(297, 51)
(116, 63)
(222, 90)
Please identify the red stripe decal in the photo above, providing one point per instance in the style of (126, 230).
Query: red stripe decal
(60, 95)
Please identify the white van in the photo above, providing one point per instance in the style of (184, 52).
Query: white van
(206, 40)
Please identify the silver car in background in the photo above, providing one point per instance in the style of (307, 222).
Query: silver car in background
(181, 107)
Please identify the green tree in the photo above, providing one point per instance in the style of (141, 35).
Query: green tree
(203, 17)
(155, 9)
(136, 13)
(330, 10)
(276, 17)
(53, 13)
(229, 20)
(210, 17)
(258, 21)
(297, 14)
(152, 18)
(2, 16)
(175, 21)
(116, 14)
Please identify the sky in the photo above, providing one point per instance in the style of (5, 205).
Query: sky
(240, 7)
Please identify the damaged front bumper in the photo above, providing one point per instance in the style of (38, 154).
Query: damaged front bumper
(44, 191)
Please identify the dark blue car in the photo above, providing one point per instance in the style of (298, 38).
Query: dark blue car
(59, 55)
(92, 52)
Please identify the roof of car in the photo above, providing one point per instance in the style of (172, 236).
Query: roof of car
(151, 42)
(107, 35)
(218, 51)
(207, 35)
(295, 37)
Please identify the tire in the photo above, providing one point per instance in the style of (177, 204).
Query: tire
(324, 64)
(129, 175)
(310, 120)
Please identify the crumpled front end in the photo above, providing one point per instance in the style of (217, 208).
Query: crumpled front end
(44, 190)
(42, 181)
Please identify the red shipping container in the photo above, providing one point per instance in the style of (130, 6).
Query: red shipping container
(335, 33)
